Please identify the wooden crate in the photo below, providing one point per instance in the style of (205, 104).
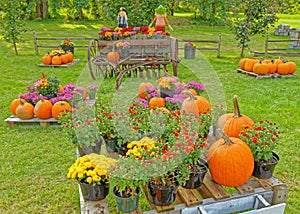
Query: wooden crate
(15, 121)
(255, 194)
(67, 65)
(268, 76)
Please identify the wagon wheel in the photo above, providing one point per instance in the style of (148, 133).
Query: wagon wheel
(96, 60)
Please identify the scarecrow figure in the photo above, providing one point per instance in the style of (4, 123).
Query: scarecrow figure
(160, 19)
(122, 18)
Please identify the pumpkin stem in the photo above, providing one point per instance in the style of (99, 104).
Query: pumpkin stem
(236, 112)
(228, 142)
(21, 102)
(192, 97)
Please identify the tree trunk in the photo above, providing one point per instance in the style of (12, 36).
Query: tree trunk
(45, 8)
(15, 46)
(242, 52)
(39, 10)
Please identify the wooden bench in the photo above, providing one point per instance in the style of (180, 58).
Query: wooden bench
(145, 55)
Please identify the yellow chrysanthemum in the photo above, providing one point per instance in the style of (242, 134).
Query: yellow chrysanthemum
(96, 178)
(89, 180)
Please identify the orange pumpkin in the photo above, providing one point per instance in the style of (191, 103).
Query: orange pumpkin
(47, 59)
(43, 109)
(59, 107)
(234, 123)
(56, 60)
(195, 104)
(292, 67)
(113, 57)
(25, 111)
(277, 61)
(231, 161)
(242, 63)
(70, 56)
(249, 64)
(283, 68)
(64, 58)
(14, 104)
(156, 102)
(142, 88)
(267, 61)
(272, 68)
(190, 90)
(260, 68)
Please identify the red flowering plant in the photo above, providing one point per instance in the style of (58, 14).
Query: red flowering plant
(163, 155)
(262, 139)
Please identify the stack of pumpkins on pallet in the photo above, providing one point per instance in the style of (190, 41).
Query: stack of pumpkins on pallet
(267, 66)
(58, 57)
(44, 109)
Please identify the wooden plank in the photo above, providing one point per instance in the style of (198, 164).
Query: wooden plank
(189, 196)
(215, 189)
(269, 183)
(70, 64)
(14, 121)
(268, 76)
(160, 209)
(244, 189)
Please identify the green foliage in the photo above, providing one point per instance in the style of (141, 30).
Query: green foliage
(139, 12)
(258, 16)
(13, 23)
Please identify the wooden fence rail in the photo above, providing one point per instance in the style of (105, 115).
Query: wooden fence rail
(36, 40)
(272, 51)
(218, 42)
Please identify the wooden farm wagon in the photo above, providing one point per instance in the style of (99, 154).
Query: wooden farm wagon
(145, 57)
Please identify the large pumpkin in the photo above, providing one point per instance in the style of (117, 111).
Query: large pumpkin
(59, 107)
(142, 88)
(156, 102)
(234, 123)
(47, 59)
(25, 111)
(283, 68)
(272, 68)
(195, 104)
(43, 109)
(260, 68)
(113, 57)
(248, 66)
(231, 161)
(292, 67)
(14, 104)
(242, 63)
(56, 60)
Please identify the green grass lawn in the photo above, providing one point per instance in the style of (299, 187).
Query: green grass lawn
(34, 161)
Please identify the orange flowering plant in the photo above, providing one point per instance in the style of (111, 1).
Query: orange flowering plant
(262, 139)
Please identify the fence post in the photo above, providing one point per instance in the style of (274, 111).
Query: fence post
(219, 46)
(266, 46)
(35, 43)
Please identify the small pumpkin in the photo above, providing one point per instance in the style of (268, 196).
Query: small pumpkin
(25, 111)
(260, 68)
(230, 160)
(267, 61)
(142, 88)
(59, 107)
(156, 102)
(283, 68)
(113, 57)
(249, 64)
(43, 109)
(195, 104)
(14, 104)
(234, 123)
(292, 67)
(47, 59)
(56, 60)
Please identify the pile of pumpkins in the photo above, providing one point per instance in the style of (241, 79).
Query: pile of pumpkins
(44, 109)
(267, 66)
(58, 57)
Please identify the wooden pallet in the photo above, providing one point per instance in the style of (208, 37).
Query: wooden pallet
(15, 121)
(67, 65)
(269, 76)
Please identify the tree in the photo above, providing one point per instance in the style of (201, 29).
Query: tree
(14, 21)
(258, 16)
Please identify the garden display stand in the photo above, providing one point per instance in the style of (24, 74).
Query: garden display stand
(268, 76)
(145, 55)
